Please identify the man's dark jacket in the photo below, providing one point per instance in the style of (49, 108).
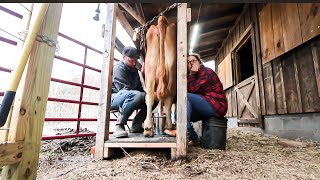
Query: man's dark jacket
(125, 77)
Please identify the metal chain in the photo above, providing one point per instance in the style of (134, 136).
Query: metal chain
(142, 28)
(45, 39)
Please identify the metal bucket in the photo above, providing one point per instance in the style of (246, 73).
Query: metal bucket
(158, 123)
(214, 133)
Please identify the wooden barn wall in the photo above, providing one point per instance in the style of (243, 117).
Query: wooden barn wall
(292, 81)
(288, 84)
(249, 16)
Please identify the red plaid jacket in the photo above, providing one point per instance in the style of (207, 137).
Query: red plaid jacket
(207, 84)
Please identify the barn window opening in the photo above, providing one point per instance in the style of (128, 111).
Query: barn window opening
(245, 60)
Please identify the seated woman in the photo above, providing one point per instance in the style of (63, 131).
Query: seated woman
(206, 97)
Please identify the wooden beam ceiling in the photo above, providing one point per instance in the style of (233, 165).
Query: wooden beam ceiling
(133, 13)
(214, 33)
(213, 45)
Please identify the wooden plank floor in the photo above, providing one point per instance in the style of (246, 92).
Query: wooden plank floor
(139, 141)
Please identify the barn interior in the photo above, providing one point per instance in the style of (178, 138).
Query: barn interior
(215, 21)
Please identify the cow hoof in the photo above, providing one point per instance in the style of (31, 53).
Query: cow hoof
(148, 133)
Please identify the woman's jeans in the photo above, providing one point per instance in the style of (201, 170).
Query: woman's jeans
(198, 109)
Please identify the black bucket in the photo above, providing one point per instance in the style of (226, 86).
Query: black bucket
(214, 133)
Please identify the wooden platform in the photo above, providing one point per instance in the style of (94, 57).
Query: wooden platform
(139, 141)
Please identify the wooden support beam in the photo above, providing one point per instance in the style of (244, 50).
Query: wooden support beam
(133, 13)
(106, 81)
(208, 58)
(214, 45)
(119, 45)
(181, 140)
(140, 11)
(29, 114)
(126, 25)
(124, 22)
(10, 152)
(214, 33)
(210, 41)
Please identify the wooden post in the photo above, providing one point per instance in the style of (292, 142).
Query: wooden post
(106, 81)
(181, 151)
(30, 112)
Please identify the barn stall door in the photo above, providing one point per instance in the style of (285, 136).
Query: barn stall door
(246, 88)
(246, 98)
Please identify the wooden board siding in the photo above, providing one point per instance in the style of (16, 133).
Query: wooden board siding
(266, 34)
(290, 26)
(254, 9)
(234, 102)
(229, 96)
(225, 72)
(291, 81)
(309, 14)
(277, 30)
(315, 47)
(269, 88)
(307, 80)
(280, 100)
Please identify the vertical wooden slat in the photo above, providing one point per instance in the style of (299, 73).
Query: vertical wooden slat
(290, 85)
(256, 74)
(281, 107)
(277, 29)
(296, 77)
(315, 54)
(290, 24)
(269, 89)
(181, 138)
(106, 81)
(283, 90)
(33, 97)
(309, 14)
(256, 42)
(266, 36)
(234, 102)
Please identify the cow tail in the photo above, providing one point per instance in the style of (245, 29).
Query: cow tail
(161, 72)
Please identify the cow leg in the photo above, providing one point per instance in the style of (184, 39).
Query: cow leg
(148, 124)
(168, 105)
(151, 60)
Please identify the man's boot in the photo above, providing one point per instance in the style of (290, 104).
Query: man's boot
(120, 131)
(136, 126)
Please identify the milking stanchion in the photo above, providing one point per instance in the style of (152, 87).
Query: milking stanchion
(137, 140)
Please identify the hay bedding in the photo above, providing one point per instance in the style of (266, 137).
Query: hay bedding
(249, 155)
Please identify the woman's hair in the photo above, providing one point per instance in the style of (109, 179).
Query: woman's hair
(197, 56)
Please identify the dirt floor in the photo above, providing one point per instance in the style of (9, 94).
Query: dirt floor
(249, 155)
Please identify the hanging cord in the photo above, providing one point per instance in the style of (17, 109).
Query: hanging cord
(144, 27)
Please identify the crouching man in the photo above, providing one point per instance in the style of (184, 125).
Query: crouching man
(127, 93)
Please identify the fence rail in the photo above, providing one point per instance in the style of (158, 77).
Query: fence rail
(82, 85)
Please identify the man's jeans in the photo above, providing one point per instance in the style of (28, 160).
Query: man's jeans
(127, 101)
(198, 109)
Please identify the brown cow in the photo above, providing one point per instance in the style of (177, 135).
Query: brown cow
(160, 70)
